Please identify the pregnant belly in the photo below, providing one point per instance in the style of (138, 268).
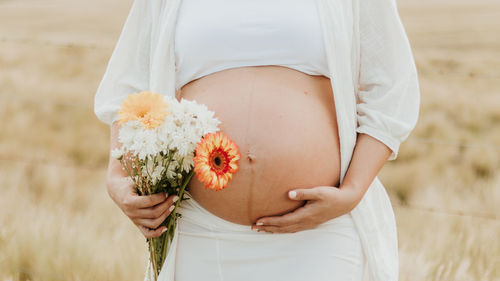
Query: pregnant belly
(284, 124)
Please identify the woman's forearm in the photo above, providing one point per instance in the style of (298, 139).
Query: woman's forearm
(368, 158)
(114, 165)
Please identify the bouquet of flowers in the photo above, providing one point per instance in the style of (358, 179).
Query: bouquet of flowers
(163, 142)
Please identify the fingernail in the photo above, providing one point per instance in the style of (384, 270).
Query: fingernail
(163, 231)
(259, 223)
(175, 198)
(292, 194)
(166, 194)
(171, 208)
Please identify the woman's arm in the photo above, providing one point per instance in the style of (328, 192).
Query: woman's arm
(146, 212)
(368, 158)
(128, 72)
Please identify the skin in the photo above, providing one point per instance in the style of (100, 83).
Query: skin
(283, 122)
(250, 103)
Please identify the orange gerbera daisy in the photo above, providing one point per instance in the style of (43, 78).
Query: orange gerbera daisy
(147, 107)
(216, 160)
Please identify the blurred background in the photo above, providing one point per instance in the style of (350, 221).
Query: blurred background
(57, 221)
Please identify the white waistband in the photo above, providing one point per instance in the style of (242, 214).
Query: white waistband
(193, 212)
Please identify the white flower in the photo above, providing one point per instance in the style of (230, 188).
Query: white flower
(127, 133)
(157, 174)
(172, 169)
(145, 143)
(141, 141)
(187, 162)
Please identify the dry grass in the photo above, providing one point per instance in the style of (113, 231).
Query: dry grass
(58, 223)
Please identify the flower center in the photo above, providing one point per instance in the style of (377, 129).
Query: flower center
(142, 112)
(218, 160)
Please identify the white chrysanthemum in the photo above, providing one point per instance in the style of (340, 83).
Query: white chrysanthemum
(190, 134)
(165, 134)
(206, 123)
(157, 174)
(186, 162)
(172, 169)
(201, 120)
(176, 139)
(140, 141)
(146, 144)
(127, 133)
(183, 147)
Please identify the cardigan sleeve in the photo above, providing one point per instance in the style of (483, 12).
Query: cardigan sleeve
(128, 67)
(389, 93)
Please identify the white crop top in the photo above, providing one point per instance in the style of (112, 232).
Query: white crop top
(215, 35)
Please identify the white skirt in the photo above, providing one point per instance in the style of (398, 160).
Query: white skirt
(210, 248)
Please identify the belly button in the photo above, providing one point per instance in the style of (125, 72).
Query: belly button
(250, 157)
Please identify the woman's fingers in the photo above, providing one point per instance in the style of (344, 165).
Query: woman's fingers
(151, 233)
(277, 229)
(134, 201)
(315, 193)
(155, 211)
(151, 212)
(297, 216)
(157, 214)
(153, 223)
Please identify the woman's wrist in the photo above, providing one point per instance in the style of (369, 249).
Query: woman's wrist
(353, 193)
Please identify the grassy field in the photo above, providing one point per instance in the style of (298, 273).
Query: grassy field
(58, 223)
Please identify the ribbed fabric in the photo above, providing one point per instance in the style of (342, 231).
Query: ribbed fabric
(214, 35)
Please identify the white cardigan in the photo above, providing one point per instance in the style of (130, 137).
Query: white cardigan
(369, 57)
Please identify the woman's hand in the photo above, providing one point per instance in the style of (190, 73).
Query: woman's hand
(146, 212)
(327, 202)
(323, 203)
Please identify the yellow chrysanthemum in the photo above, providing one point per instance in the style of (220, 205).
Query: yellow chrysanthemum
(216, 160)
(147, 107)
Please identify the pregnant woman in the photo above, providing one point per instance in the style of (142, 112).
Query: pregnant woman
(317, 95)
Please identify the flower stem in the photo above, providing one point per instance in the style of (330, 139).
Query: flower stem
(172, 216)
(152, 257)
